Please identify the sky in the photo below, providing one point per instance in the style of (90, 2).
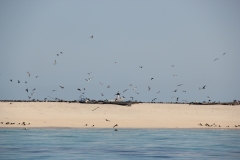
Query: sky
(156, 35)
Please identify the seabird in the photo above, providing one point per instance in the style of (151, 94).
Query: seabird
(107, 120)
(125, 90)
(177, 98)
(179, 84)
(61, 52)
(154, 99)
(102, 94)
(158, 92)
(27, 90)
(18, 81)
(91, 37)
(215, 59)
(203, 87)
(57, 54)
(28, 74)
(224, 53)
(55, 62)
(131, 98)
(130, 84)
(53, 90)
(108, 86)
(185, 91)
(11, 80)
(115, 125)
(175, 90)
(101, 83)
(149, 88)
(79, 89)
(37, 76)
(62, 87)
(174, 75)
(172, 66)
(152, 78)
(26, 82)
(140, 66)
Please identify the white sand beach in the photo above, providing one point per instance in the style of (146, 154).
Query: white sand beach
(143, 115)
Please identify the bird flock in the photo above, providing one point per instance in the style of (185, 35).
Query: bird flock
(131, 88)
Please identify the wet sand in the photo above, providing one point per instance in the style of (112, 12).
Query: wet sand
(142, 115)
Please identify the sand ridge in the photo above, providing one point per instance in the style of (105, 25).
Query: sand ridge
(142, 115)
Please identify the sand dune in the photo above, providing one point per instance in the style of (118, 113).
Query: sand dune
(143, 115)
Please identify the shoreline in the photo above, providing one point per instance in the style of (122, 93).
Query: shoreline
(135, 116)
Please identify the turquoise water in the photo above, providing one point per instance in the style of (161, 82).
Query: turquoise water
(121, 144)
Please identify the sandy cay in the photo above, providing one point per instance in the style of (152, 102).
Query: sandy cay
(143, 115)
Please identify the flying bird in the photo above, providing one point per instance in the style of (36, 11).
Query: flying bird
(215, 59)
(203, 87)
(172, 66)
(175, 90)
(57, 54)
(224, 53)
(125, 90)
(115, 125)
(152, 78)
(177, 98)
(108, 86)
(26, 90)
(26, 82)
(102, 94)
(174, 75)
(37, 76)
(149, 88)
(101, 83)
(140, 66)
(158, 92)
(18, 81)
(55, 62)
(62, 87)
(61, 52)
(179, 84)
(53, 90)
(28, 74)
(91, 37)
(154, 99)
(11, 80)
(79, 89)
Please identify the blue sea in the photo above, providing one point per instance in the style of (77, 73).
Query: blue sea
(64, 143)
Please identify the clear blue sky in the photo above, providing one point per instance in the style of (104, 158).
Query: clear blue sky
(154, 34)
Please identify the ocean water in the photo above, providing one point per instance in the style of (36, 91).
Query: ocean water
(46, 143)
